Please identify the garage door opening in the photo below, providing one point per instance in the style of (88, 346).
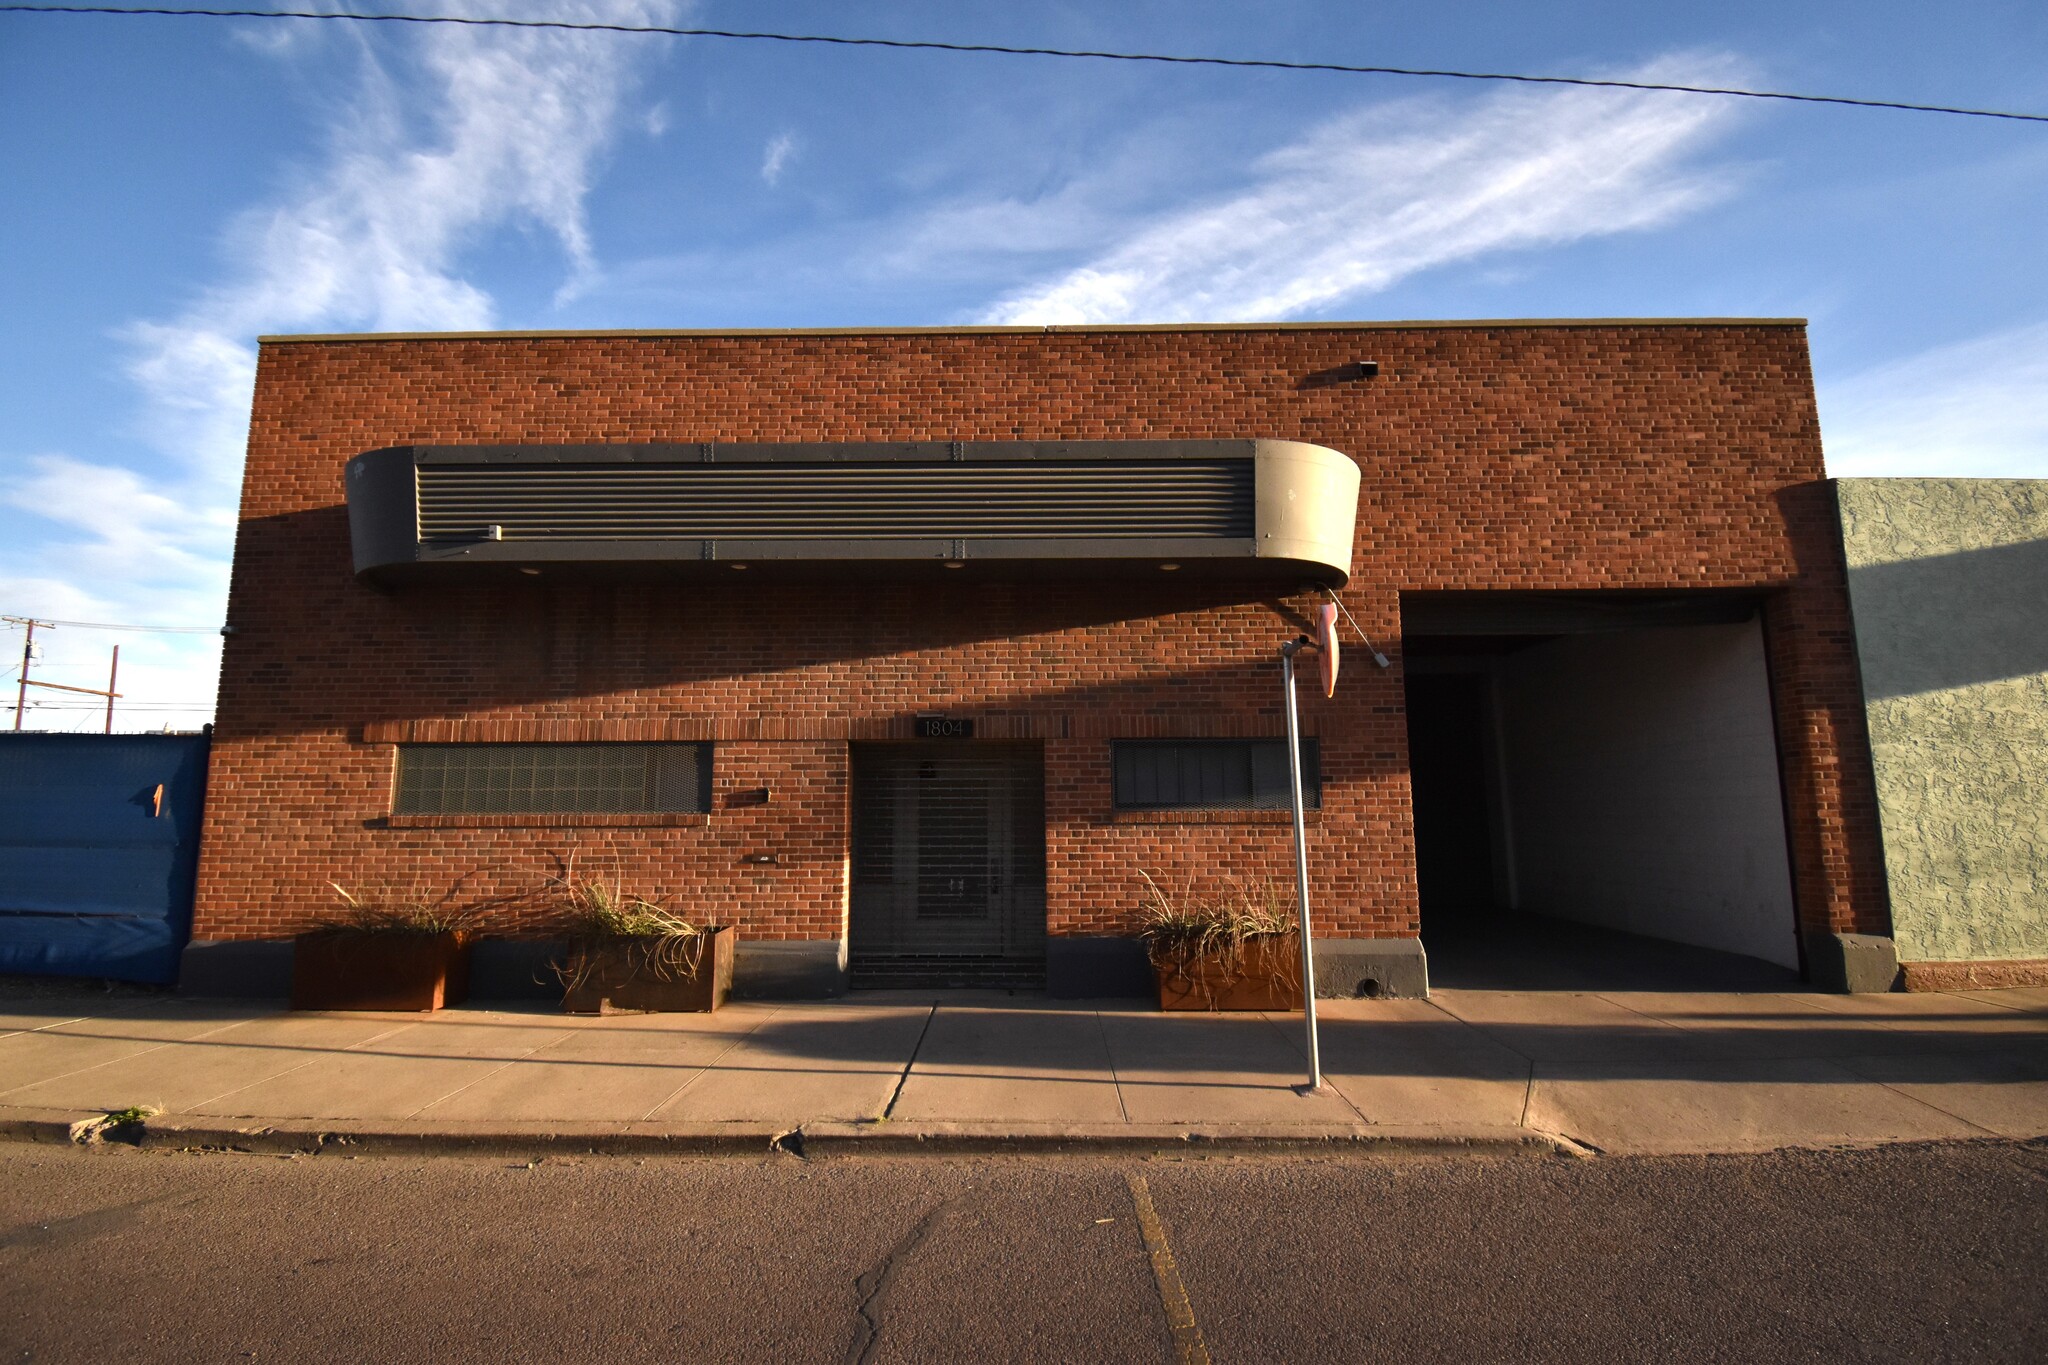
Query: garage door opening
(1596, 792)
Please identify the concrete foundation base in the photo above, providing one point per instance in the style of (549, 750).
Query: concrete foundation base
(1094, 968)
(809, 969)
(1371, 969)
(1852, 964)
(250, 969)
(515, 969)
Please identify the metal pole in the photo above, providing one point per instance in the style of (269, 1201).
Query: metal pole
(112, 673)
(1308, 954)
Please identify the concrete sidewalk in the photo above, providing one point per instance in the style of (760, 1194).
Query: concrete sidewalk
(1632, 1072)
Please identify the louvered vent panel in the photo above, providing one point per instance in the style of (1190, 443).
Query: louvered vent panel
(1097, 499)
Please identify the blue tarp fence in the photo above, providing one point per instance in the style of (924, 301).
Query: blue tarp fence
(99, 847)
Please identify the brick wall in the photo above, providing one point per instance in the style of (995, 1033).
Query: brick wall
(1515, 457)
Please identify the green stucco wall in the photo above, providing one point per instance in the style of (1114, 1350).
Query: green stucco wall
(1948, 581)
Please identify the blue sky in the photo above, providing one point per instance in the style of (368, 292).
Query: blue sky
(175, 187)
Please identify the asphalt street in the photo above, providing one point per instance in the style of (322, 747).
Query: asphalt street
(1906, 1253)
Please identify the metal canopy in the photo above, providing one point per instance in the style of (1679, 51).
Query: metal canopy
(1282, 510)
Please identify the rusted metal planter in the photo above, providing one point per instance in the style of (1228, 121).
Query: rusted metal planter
(340, 970)
(1266, 975)
(618, 976)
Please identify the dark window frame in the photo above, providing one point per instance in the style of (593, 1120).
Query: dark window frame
(1210, 774)
(654, 777)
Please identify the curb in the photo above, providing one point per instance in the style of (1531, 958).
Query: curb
(823, 1139)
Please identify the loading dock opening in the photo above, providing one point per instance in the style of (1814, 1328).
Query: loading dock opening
(1596, 791)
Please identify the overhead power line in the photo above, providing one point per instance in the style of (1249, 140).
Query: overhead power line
(131, 712)
(153, 630)
(125, 703)
(924, 45)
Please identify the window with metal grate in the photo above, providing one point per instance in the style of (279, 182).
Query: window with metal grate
(534, 779)
(1211, 774)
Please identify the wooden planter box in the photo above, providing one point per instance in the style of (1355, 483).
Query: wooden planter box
(338, 970)
(1266, 976)
(612, 976)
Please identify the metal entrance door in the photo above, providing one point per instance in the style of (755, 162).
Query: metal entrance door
(948, 865)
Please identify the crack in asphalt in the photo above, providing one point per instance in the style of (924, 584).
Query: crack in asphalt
(873, 1287)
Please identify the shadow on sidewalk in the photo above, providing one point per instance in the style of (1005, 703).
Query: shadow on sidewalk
(1019, 1037)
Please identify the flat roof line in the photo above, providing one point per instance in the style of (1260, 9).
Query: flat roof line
(1469, 324)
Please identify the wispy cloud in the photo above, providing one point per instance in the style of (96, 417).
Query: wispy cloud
(447, 135)
(1379, 195)
(777, 158)
(1975, 409)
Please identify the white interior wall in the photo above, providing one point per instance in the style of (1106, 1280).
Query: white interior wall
(1643, 783)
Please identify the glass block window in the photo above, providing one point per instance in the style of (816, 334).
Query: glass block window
(535, 779)
(1211, 774)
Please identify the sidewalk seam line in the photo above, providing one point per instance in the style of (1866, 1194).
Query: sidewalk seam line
(67, 1075)
(1995, 1004)
(55, 1023)
(339, 1052)
(1640, 1014)
(704, 1070)
(1915, 1099)
(113, 1061)
(508, 1062)
(904, 1079)
(278, 1075)
(1302, 1052)
(1481, 1030)
(1115, 1081)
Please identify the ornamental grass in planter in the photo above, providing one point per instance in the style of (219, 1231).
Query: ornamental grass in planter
(628, 954)
(383, 953)
(1230, 951)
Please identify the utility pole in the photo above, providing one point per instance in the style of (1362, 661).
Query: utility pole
(28, 657)
(28, 644)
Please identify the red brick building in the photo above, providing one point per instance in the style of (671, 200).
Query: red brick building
(655, 600)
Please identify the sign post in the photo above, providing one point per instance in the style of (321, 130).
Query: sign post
(1325, 645)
